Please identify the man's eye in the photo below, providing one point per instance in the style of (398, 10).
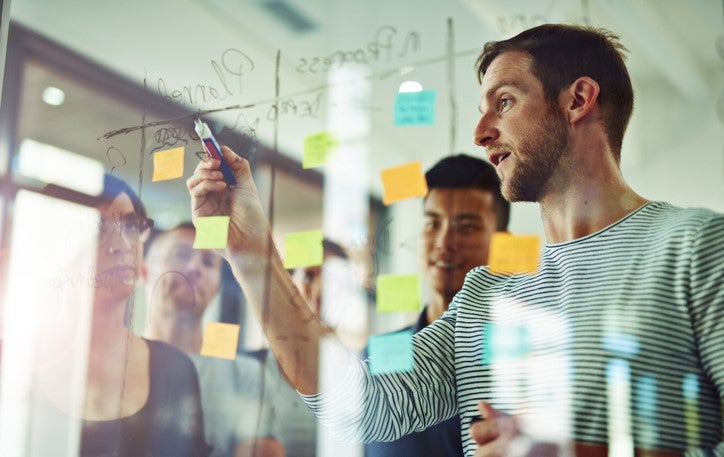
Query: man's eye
(504, 103)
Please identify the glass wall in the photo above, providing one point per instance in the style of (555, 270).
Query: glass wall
(339, 107)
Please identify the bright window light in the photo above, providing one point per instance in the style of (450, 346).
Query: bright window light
(51, 164)
(53, 96)
(410, 86)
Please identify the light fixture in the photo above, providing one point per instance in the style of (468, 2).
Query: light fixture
(53, 96)
(410, 86)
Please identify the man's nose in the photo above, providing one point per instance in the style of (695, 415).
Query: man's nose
(485, 131)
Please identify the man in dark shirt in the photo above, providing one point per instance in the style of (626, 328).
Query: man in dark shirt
(463, 208)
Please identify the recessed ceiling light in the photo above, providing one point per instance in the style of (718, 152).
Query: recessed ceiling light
(410, 86)
(53, 96)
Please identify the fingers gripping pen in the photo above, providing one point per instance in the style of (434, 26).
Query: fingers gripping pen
(213, 150)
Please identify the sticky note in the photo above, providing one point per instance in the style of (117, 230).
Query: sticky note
(390, 353)
(317, 148)
(415, 108)
(220, 340)
(168, 164)
(303, 249)
(505, 342)
(212, 232)
(398, 293)
(514, 253)
(402, 182)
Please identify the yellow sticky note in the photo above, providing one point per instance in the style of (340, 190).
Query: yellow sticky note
(303, 249)
(220, 340)
(168, 164)
(404, 181)
(514, 253)
(212, 232)
(317, 148)
(398, 293)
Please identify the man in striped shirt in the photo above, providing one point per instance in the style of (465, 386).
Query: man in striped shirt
(614, 347)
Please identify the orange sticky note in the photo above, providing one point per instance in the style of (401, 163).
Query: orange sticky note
(168, 164)
(220, 340)
(404, 181)
(514, 253)
(398, 293)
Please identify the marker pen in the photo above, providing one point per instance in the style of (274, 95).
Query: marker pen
(213, 150)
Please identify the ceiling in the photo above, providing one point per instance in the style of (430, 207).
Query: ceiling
(340, 63)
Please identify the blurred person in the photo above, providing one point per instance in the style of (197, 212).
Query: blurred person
(141, 397)
(180, 283)
(616, 269)
(462, 210)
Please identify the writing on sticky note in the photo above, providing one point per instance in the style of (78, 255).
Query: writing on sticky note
(510, 254)
(402, 182)
(505, 342)
(397, 293)
(390, 353)
(415, 108)
(220, 340)
(168, 164)
(303, 249)
(317, 148)
(212, 232)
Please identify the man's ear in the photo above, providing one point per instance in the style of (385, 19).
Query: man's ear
(581, 98)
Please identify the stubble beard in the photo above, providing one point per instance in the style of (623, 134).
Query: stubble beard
(543, 150)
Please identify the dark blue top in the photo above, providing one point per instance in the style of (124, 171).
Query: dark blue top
(170, 424)
(440, 440)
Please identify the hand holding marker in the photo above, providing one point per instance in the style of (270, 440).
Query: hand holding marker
(213, 150)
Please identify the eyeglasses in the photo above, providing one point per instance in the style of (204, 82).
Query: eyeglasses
(134, 228)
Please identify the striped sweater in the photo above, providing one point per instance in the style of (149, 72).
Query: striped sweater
(617, 340)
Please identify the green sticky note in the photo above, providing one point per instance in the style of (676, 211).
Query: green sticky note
(212, 232)
(317, 148)
(398, 293)
(505, 342)
(390, 353)
(303, 249)
(415, 108)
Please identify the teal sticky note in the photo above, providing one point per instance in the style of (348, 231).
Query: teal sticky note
(415, 108)
(212, 232)
(390, 353)
(398, 293)
(303, 249)
(504, 342)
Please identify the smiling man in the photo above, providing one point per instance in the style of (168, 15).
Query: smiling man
(463, 208)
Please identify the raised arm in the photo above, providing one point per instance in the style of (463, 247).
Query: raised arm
(293, 331)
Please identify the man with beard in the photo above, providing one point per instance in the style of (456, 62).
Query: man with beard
(463, 208)
(613, 347)
(180, 284)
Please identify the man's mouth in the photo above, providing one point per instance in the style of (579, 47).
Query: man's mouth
(445, 265)
(497, 157)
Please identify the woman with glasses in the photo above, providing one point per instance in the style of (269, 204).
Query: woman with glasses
(141, 396)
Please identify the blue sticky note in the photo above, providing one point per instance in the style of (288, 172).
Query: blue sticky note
(415, 108)
(390, 353)
(505, 342)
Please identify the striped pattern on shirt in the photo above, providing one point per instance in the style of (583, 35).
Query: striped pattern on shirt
(617, 340)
